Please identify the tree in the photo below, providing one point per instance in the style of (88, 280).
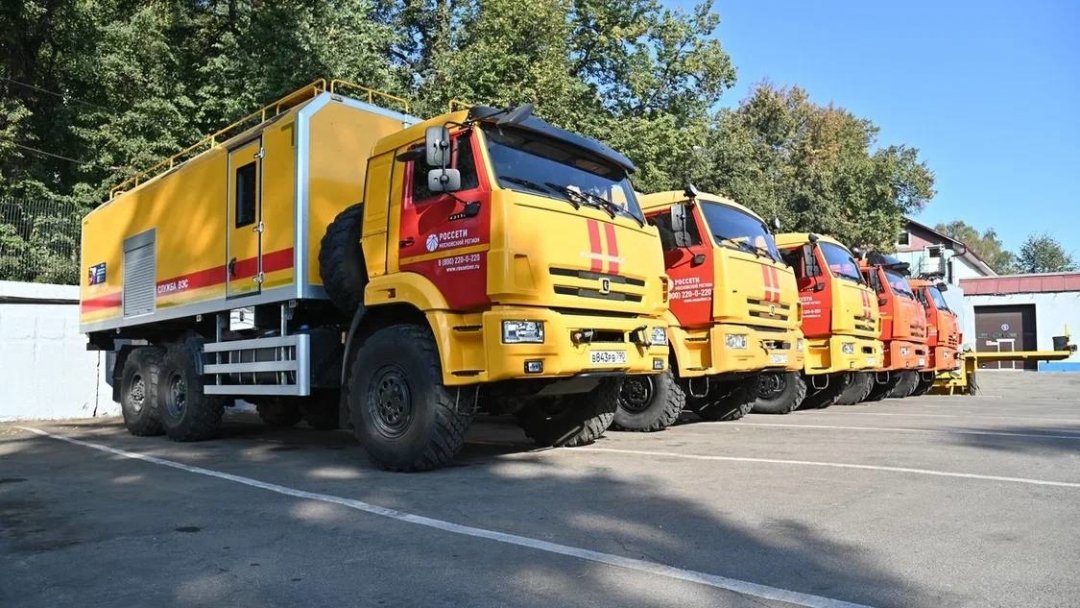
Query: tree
(1042, 253)
(818, 168)
(986, 245)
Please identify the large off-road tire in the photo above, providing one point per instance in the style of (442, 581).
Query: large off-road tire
(726, 400)
(341, 260)
(187, 413)
(880, 390)
(649, 403)
(857, 389)
(908, 381)
(823, 398)
(401, 413)
(779, 392)
(320, 410)
(571, 420)
(926, 382)
(139, 389)
(279, 413)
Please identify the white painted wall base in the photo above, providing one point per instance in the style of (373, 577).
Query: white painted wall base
(45, 370)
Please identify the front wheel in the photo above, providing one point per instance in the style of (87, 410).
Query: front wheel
(571, 420)
(779, 392)
(926, 382)
(727, 400)
(139, 392)
(824, 397)
(401, 413)
(857, 390)
(881, 389)
(907, 384)
(649, 403)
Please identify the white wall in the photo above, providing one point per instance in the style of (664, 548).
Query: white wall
(45, 369)
(1053, 312)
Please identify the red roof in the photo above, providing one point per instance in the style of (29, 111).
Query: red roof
(1021, 283)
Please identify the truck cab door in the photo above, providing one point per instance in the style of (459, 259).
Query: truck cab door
(244, 227)
(445, 236)
(689, 267)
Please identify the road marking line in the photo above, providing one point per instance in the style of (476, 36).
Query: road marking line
(841, 412)
(904, 430)
(837, 465)
(693, 576)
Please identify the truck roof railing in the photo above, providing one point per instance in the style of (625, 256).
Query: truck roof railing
(340, 87)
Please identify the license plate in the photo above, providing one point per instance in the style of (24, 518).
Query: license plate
(922, 361)
(778, 359)
(607, 357)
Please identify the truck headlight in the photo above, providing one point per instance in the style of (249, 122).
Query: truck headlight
(800, 345)
(659, 336)
(523, 332)
(848, 348)
(904, 351)
(735, 341)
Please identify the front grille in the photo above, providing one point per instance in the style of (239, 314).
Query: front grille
(596, 276)
(581, 292)
(619, 288)
(768, 310)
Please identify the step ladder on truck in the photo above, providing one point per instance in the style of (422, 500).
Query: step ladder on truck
(334, 259)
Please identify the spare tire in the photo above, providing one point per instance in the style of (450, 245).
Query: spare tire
(341, 260)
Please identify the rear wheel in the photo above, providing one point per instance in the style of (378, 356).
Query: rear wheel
(727, 400)
(187, 413)
(926, 382)
(571, 420)
(858, 389)
(908, 381)
(649, 403)
(823, 398)
(779, 392)
(139, 391)
(320, 410)
(881, 389)
(401, 413)
(278, 413)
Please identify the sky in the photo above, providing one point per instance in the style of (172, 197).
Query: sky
(989, 92)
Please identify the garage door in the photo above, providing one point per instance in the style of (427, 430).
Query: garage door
(1005, 328)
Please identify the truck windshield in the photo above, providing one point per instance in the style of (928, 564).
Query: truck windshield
(841, 262)
(732, 227)
(899, 283)
(533, 163)
(939, 300)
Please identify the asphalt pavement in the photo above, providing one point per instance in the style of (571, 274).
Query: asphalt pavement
(932, 501)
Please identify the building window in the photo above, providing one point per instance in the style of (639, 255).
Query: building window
(934, 252)
(904, 239)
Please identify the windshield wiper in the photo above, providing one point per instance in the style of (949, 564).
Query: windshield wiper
(595, 201)
(528, 183)
(746, 246)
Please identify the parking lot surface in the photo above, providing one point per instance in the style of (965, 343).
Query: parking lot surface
(930, 501)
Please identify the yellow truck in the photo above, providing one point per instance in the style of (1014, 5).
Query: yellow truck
(733, 312)
(840, 320)
(335, 259)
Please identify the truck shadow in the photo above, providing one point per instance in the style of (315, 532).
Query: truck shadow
(615, 506)
(1030, 439)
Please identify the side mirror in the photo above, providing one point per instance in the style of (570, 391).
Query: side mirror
(813, 238)
(776, 223)
(810, 261)
(437, 146)
(679, 223)
(444, 180)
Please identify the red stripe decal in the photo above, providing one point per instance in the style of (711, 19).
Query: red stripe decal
(613, 249)
(594, 246)
(111, 300)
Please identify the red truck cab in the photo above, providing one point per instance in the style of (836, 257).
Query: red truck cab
(903, 326)
(942, 332)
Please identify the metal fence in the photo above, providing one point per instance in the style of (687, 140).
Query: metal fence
(39, 241)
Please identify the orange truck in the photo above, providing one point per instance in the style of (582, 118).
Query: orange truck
(942, 333)
(840, 321)
(333, 259)
(903, 327)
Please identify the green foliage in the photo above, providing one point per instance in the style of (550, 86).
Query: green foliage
(1042, 253)
(114, 85)
(815, 167)
(986, 245)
